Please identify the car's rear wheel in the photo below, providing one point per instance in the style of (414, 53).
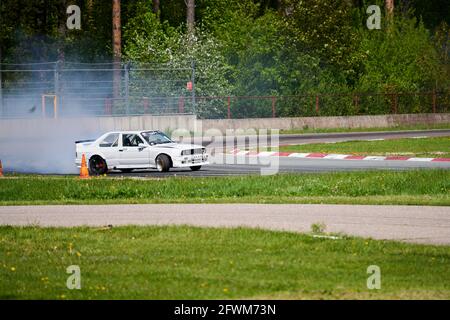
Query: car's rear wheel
(162, 163)
(195, 168)
(97, 165)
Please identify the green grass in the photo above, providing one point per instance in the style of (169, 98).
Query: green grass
(438, 147)
(394, 128)
(203, 263)
(412, 187)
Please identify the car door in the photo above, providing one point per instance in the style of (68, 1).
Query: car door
(109, 148)
(131, 154)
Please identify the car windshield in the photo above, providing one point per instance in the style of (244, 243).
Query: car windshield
(155, 137)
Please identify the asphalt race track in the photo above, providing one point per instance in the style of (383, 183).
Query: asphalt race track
(235, 165)
(286, 165)
(224, 164)
(349, 136)
(228, 165)
(419, 224)
(288, 139)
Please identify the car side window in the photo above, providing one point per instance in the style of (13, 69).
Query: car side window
(111, 140)
(131, 140)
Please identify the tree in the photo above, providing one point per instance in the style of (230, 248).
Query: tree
(390, 7)
(442, 44)
(61, 29)
(402, 60)
(190, 16)
(325, 29)
(148, 40)
(432, 12)
(156, 7)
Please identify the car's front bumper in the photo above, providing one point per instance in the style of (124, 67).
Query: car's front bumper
(190, 161)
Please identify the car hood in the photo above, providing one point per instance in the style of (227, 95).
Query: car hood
(179, 146)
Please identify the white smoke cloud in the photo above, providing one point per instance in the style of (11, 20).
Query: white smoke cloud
(43, 145)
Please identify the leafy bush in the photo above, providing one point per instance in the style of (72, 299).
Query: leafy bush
(305, 48)
(401, 58)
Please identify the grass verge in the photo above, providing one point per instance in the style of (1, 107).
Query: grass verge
(204, 263)
(412, 187)
(438, 147)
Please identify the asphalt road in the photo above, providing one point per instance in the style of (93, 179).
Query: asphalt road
(287, 139)
(351, 136)
(226, 165)
(240, 165)
(404, 223)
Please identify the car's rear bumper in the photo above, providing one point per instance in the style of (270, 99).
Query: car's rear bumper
(183, 162)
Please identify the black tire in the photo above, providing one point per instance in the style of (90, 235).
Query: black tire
(163, 163)
(97, 166)
(126, 170)
(195, 168)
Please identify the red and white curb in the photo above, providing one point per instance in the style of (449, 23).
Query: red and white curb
(332, 156)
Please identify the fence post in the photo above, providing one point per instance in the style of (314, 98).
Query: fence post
(55, 106)
(394, 102)
(274, 110)
(229, 108)
(2, 111)
(393, 108)
(43, 106)
(108, 107)
(145, 103)
(56, 81)
(434, 100)
(181, 104)
(356, 103)
(127, 87)
(317, 104)
(193, 88)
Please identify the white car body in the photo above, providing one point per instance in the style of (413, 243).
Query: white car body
(120, 155)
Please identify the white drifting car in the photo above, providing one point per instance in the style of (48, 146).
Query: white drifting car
(128, 150)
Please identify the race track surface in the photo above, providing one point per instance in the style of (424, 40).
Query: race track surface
(241, 165)
(224, 164)
(404, 223)
(227, 165)
(289, 139)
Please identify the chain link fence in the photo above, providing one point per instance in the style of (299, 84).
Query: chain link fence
(64, 89)
(235, 107)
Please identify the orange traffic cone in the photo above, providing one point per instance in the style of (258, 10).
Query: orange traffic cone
(84, 172)
(1, 169)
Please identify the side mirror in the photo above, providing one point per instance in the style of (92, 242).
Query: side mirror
(142, 146)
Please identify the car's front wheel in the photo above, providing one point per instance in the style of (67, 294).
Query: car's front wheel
(162, 163)
(195, 168)
(97, 165)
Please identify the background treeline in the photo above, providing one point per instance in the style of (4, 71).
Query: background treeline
(250, 47)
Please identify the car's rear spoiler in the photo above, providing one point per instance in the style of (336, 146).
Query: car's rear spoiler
(83, 141)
